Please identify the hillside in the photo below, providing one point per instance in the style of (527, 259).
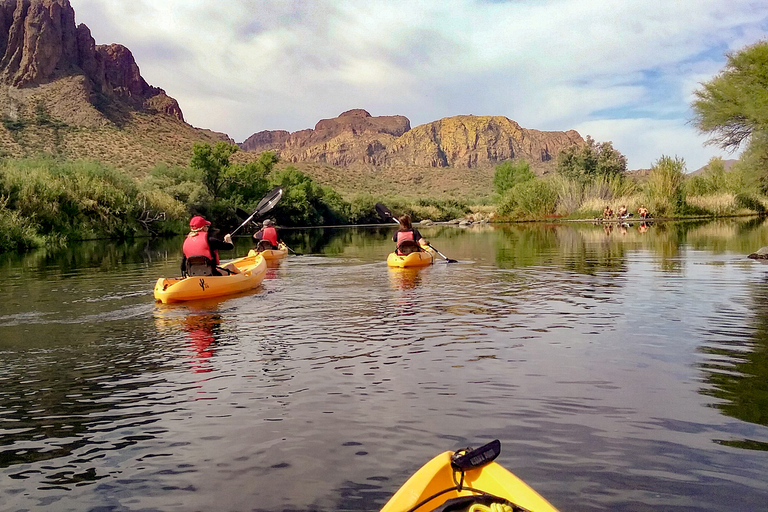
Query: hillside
(64, 95)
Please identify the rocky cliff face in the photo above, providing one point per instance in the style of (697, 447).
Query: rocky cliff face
(461, 141)
(353, 137)
(40, 43)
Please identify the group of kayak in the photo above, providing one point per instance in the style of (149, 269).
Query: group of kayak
(203, 276)
(466, 480)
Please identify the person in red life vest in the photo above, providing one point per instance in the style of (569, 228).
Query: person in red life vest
(407, 238)
(200, 243)
(266, 236)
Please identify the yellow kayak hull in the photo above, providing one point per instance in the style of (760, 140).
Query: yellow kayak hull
(414, 259)
(437, 475)
(252, 269)
(272, 254)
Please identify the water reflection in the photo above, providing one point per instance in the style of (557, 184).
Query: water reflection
(404, 278)
(737, 367)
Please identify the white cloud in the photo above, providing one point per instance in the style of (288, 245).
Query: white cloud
(240, 66)
(644, 141)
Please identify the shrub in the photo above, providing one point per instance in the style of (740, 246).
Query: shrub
(665, 192)
(18, 233)
(510, 173)
(530, 199)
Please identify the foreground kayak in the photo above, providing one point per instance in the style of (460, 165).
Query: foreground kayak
(272, 254)
(415, 259)
(457, 481)
(251, 272)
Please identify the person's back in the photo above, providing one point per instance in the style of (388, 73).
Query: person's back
(202, 250)
(407, 238)
(268, 233)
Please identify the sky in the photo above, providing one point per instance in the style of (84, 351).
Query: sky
(619, 71)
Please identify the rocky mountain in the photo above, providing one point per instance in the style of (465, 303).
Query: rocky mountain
(59, 82)
(357, 138)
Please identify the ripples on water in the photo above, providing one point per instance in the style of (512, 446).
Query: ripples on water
(614, 385)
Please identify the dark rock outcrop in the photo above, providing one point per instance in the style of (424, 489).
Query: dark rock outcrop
(40, 43)
(355, 137)
(761, 254)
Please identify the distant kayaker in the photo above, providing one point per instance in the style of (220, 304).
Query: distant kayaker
(199, 242)
(407, 238)
(607, 212)
(622, 213)
(266, 237)
(642, 212)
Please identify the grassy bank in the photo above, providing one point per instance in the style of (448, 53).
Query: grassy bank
(666, 191)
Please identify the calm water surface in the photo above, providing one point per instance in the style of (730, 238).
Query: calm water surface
(622, 369)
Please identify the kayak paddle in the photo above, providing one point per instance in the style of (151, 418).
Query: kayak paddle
(447, 260)
(386, 215)
(267, 203)
(292, 251)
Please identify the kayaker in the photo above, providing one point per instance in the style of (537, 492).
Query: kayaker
(642, 211)
(199, 242)
(266, 237)
(407, 238)
(607, 212)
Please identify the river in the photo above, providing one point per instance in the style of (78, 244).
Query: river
(622, 368)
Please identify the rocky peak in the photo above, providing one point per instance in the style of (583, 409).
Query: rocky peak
(356, 137)
(336, 141)
(40, 43)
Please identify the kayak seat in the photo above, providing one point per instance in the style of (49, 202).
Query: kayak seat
(264, 245)
(200, 266)
(407, 247)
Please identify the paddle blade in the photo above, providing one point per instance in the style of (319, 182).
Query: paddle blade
(269, 201)
(385, 214)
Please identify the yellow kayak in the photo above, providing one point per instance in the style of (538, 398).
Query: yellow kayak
(272, 254)
(415, 259)
(251, 271)
(471, 479)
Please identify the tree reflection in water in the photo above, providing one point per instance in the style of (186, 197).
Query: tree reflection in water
(737, 371)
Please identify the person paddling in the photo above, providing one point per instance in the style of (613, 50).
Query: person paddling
(267, 236)
(199, 242)
(407, 238)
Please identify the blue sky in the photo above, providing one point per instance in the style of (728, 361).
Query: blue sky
(620, 71)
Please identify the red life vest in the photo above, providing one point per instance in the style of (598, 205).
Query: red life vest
(198, 246)
(270, 235)
(405, 235)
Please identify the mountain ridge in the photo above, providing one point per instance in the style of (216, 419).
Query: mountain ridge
(356, 138)
(67, 96)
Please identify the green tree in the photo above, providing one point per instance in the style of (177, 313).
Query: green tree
(510, 173)
(591, 160)
(305, 202)
(245, 184)
(213, 162)
(734, 105)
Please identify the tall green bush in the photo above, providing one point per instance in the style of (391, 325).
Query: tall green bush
(665, 193)
(530, 199)
(509, 173)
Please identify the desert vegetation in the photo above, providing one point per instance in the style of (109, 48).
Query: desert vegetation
(49, 202)
(730, 107)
